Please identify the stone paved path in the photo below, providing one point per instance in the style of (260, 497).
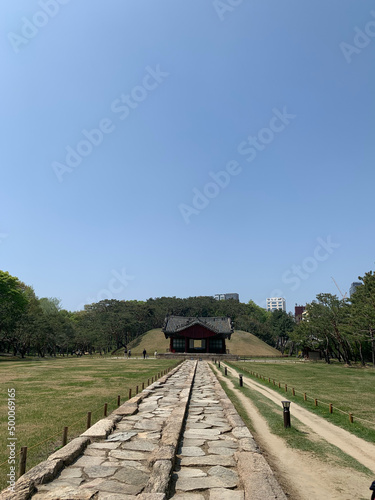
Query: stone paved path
(215, 459)
(177, 439)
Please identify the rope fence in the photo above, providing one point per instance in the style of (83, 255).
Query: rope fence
(21, 455)
(317, 402)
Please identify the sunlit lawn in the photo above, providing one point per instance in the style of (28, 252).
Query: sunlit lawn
(350, 389)
(54, 393)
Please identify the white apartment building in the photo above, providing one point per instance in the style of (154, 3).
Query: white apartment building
(275, 303)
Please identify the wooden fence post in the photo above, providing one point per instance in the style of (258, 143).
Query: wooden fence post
(351, 418)
(330, 408)
(65, 436)
(130, 394)
(88, 422)
(23, 459)
(105, 409)
(304, 396)
(118, 400)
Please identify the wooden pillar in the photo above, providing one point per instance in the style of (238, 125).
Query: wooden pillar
(186, 344)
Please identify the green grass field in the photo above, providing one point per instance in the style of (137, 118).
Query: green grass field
(54, 393)
(349, 389)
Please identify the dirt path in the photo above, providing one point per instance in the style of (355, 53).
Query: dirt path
(303, 475)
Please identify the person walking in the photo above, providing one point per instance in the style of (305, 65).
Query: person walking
(144, 353)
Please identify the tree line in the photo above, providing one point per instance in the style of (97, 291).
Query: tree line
(342, 329)
(338, 328)
(32, 325)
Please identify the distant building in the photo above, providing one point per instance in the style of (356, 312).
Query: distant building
(227, 296)
(298, 313)
(353, 287)
(275, 303)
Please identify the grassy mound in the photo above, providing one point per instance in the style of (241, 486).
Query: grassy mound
(241, 343)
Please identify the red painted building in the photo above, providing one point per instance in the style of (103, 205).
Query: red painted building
(197, 335)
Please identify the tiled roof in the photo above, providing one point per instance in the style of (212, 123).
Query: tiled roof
(174, 324)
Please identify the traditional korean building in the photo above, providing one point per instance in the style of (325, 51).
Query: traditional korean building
(197, 335)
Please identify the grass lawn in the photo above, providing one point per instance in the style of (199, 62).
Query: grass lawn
(349, 389)
(54, 393)
(296, 436)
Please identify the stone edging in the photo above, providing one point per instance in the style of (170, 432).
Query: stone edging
(49, 469)
(256, 475)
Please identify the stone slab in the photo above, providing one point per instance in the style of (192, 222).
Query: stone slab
(208, 460)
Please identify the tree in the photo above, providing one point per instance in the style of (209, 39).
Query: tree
(282, 324)
(363, 311)
(13, 302)
(325, 327)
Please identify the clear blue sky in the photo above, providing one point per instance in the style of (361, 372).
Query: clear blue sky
(265, 90)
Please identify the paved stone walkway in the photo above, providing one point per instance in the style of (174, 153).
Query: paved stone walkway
(218, 458)
(177, 439)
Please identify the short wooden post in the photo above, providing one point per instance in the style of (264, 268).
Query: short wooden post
(304, 396)
(88, 423)
(152, 380)
(273, 381)
(351, 420)
(136, 390)
(269, 380)
(219, 364)
(23, 459)
(240, 379)
(148, 381)
(279, 385)
(118, 400)
(130, 394)
(316, 402)
(225, 371)
(286, 387)
(330, 408)
(105, 409)
(143, 385)
(65, 436)
(293, 391)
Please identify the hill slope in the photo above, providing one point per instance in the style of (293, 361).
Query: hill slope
(241, 343)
